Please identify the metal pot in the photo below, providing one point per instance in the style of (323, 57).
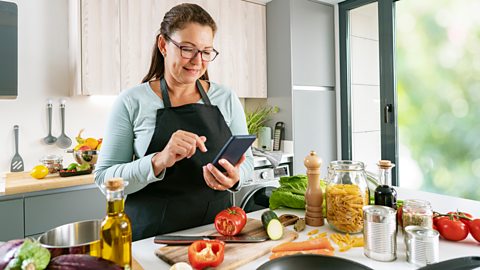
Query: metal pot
(81, 237)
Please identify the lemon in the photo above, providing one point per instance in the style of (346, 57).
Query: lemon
(39, 171)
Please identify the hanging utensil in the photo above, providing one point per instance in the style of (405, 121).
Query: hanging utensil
(63, 141)
(49, 139)
(17, 161)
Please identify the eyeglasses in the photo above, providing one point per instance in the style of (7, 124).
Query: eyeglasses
(189, 52)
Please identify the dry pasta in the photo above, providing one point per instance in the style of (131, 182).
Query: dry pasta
(344, 207)
(345, 242)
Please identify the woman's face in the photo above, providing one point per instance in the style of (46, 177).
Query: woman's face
(193, 36)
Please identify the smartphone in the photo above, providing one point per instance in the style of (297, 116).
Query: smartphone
(233, 149)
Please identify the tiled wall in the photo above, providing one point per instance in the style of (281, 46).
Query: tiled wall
(365, 85)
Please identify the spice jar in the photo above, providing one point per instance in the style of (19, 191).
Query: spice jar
(418, 213)
(52, 162)
(346, 195)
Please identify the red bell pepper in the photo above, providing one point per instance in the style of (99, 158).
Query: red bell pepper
(206, 253)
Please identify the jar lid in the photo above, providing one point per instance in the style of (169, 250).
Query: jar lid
(52, 159)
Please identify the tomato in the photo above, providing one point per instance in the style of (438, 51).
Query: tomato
(461, 215)
(230, 221)
(474, 227)
(452, 229)
(206, 253)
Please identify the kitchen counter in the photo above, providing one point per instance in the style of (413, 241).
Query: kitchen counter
(143, 250)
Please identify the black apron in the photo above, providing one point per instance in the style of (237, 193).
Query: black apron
(182, 199)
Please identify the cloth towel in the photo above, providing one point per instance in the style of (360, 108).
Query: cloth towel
(273, 156)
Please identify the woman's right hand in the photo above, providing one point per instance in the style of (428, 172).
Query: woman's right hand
(182, 144)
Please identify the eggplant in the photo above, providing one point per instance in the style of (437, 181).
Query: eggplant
(7, 251)
(81, 262)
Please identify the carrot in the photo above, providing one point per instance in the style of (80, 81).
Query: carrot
(323, 251)
(320, 243)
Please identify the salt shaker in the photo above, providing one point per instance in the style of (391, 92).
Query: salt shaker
(314, 194)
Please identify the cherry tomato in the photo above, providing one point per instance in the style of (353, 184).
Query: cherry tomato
(452, 229)
(464, 220)
(474, 227)
(230, 221)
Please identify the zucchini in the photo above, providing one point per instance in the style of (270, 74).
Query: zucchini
(272, 225)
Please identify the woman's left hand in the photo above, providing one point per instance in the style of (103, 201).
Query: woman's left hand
(218, 180)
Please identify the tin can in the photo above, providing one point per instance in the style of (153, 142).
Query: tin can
(380, 233)
(422, 245)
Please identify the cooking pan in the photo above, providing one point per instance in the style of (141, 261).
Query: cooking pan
(309, 261)
(81, 237)
(463, 263)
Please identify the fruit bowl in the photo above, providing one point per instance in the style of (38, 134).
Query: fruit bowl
(85, 156)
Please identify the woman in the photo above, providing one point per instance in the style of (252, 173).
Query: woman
(173, 125)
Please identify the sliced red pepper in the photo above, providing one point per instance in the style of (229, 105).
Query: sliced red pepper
(206, 253)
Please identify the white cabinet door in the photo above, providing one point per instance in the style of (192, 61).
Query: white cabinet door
(100, 47)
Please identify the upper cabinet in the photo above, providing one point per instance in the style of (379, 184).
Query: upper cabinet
(112, 44)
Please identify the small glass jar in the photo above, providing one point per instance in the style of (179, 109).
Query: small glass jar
(346, 195)
(417, 213)
(53, 163)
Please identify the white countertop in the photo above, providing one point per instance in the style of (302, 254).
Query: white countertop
(143, 250)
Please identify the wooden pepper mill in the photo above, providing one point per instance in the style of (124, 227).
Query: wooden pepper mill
(314, 194)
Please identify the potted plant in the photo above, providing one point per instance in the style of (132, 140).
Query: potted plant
(257, 118)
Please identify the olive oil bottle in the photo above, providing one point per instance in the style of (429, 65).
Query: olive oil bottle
(116, 231)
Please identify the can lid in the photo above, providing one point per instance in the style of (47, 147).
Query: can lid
(421, 233)
(379, 213)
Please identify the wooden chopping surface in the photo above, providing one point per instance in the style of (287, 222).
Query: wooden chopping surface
(22, 182)
(135, 264)
(235, 254)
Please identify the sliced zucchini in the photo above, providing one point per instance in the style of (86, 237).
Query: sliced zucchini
(272, 225)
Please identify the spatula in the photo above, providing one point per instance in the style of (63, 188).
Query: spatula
(17, 161)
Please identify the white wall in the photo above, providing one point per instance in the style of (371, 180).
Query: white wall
(42, 74)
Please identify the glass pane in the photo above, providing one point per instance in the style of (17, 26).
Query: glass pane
(438, 67)
(365, 85)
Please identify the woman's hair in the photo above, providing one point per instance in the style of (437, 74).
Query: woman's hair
(176, 19)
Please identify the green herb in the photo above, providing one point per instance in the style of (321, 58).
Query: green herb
(30, 255)
(257, 118)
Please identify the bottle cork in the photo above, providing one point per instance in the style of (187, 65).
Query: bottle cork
(114, 184)
(314, 193)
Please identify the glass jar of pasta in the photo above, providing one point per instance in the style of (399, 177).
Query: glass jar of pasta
(346, 195)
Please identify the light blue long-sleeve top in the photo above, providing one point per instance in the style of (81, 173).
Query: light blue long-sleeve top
(130, 129)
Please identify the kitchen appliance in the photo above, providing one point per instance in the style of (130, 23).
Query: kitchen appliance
(17, 161)
(278, 135)
(313, 262)
(255, 193)
(265, 138)
(81, 237)
(63, 141)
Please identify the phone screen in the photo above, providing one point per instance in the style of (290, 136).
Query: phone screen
(233, 149)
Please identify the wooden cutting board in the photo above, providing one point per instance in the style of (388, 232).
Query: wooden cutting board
(22, 182)
(235, 254)
(136, 265)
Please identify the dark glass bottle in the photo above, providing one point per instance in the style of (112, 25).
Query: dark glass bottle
(385, 194)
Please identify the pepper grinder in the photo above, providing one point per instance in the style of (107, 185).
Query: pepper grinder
(314, 194)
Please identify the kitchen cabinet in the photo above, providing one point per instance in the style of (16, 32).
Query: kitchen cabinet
(46, 212)
(301, 76)
(11, 224)
(95, 47)
(112, 44)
